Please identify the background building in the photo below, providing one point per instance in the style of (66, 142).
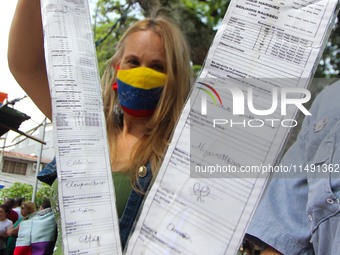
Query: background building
(18, 163)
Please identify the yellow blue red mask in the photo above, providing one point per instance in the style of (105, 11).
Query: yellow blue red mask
(139, 90)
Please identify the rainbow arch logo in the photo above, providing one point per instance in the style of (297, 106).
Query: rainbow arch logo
(209, 90)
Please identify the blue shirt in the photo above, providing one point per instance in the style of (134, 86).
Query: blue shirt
(299, 213)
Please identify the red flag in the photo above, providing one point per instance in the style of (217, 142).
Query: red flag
(3, 96)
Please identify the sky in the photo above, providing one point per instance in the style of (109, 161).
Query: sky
(7, 81)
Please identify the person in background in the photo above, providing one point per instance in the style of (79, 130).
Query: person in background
(299, 213)
(5, 224)
(17, 206)
(45, 204)
(12, 215)
(145, 86)
(26, 209)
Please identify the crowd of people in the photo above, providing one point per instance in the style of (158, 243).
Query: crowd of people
(12, 212)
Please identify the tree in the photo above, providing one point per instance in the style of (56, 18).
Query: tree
(201, 19)
(44, 191)
(329, 65)
(17, 190)
(24, 191)
(112, 17)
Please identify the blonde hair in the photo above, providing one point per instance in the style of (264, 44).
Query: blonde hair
(29, 206)
(159, 129)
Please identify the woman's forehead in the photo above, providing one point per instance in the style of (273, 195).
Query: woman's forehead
(147, 42)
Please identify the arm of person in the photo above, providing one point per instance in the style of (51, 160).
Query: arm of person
(3, 236)
(281, 221)
(26, 54)
(13, 231)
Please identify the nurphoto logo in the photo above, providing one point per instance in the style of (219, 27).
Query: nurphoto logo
(280, 97)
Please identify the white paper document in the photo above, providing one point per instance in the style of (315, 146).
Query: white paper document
(226, 143)
(86, 194)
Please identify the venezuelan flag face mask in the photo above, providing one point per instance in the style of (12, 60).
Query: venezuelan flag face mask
(139, 90)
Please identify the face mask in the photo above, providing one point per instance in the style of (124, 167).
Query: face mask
(139, 90)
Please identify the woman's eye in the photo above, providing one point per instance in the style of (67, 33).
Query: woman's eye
(133, 63)
(158, 67)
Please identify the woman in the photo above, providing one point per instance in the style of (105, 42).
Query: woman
(26, 209)
(138, 130)
(5, 224)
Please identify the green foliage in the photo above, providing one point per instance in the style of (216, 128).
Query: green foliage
(210, 12)
(111, 19)
(196, 69)
(199, 20)
(17, 190)
(25, 191)
(44, 191)
(329, 65)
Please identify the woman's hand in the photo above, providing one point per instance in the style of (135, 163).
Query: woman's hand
(13, 231)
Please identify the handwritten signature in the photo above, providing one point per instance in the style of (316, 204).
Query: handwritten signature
(90, 240)
(84, 184)
(207, 153)
(84, 210)
(77, 162)
(171, 227)
(200, 191)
